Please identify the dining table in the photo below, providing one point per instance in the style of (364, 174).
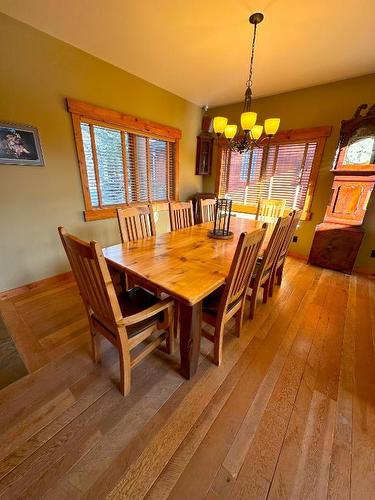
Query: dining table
(187, 265)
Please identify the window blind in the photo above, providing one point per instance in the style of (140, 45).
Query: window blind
(286, 174)
(123, 167)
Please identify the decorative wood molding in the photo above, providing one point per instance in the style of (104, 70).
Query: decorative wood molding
(296, 135)
(111, 117)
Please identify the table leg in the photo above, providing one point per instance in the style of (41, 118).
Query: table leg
(190, 337)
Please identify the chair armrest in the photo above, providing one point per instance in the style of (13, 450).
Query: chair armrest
(147, 313)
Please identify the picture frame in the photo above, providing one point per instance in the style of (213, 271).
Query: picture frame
(20, 145)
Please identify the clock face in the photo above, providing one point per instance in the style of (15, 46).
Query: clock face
(361, 148)
(360, 152)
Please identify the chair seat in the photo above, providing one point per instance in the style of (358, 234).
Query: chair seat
(212, 302)
(134, 301)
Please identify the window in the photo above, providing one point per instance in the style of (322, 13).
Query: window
(290, 170)
(123, 160)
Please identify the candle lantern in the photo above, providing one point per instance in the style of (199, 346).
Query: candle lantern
(223, 212)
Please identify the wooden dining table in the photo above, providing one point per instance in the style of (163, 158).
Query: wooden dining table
(186, 264)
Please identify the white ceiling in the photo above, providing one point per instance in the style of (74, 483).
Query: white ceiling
(199, 49)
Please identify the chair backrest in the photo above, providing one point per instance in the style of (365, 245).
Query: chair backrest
(272, 251)
(181, 214)
(207, 209)
(93, 279)
(242, 268)
(295, 218)
(269, 210)
(136, 223)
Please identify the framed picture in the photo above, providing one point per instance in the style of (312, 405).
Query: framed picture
(19, 145)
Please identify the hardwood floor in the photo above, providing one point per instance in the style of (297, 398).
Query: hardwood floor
(289, 414)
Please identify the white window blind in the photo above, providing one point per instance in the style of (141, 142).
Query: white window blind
(124, 167)
(287, 174)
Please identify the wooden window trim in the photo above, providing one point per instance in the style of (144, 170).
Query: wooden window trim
(95, 115)
(316, 134)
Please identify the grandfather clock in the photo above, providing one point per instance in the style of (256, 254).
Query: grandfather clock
(338, 238)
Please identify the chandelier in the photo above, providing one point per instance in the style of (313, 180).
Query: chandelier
(252, 132)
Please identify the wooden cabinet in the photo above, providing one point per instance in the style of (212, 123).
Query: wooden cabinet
(336, 246)
(205, 142)
(337, 240)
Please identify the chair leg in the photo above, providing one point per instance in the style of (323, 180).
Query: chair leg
(271, 284)
(125, 370)
(218, 344)
(239, 319)
(253, 301)
(96, 347)
(280, 275)
(266, 286)
(171, 333)
(176, 320)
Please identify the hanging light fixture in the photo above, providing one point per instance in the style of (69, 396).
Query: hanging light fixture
(252, 132)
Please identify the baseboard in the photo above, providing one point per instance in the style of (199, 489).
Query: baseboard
(51, 280)
(296, 255)
(366, 271)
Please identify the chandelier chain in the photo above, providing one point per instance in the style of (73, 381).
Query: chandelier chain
(249, 81)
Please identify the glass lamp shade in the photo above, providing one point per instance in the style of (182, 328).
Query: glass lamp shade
(271, 125)
(256, 131)
(220, 122)
(248, 120)
(230, 131)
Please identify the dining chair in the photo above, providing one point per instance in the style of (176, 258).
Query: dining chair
(207, 209)
(270, 210)
(136, 223)
(125, 320)
(264, 266)
(229, 300)
(181, 214)
(277, 272)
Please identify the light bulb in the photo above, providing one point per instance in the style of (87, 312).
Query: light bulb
(248, 120)
(230, 131)
(220, 122)
(256, 132)
(271, 125)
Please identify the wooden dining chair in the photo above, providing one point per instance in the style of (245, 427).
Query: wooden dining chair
(277, 272)
(125, 320)
(270, 210)
(181, 214)
(207, 209)
(264, 266)
(136, 223)
(229, 300)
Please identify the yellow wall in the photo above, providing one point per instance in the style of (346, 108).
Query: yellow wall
(321, 105)
(37, 73)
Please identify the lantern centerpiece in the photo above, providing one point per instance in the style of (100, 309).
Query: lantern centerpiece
(223, 212)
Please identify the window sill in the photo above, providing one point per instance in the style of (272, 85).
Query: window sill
(99, 213)
(111, 212)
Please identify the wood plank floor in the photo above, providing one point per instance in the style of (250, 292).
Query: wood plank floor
(289, 414)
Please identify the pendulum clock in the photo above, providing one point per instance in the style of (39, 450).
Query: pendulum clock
(337, 240)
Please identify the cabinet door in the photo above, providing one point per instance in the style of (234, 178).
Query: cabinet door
(204, 156)
(348, 201)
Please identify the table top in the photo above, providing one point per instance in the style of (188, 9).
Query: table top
(186, 264)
